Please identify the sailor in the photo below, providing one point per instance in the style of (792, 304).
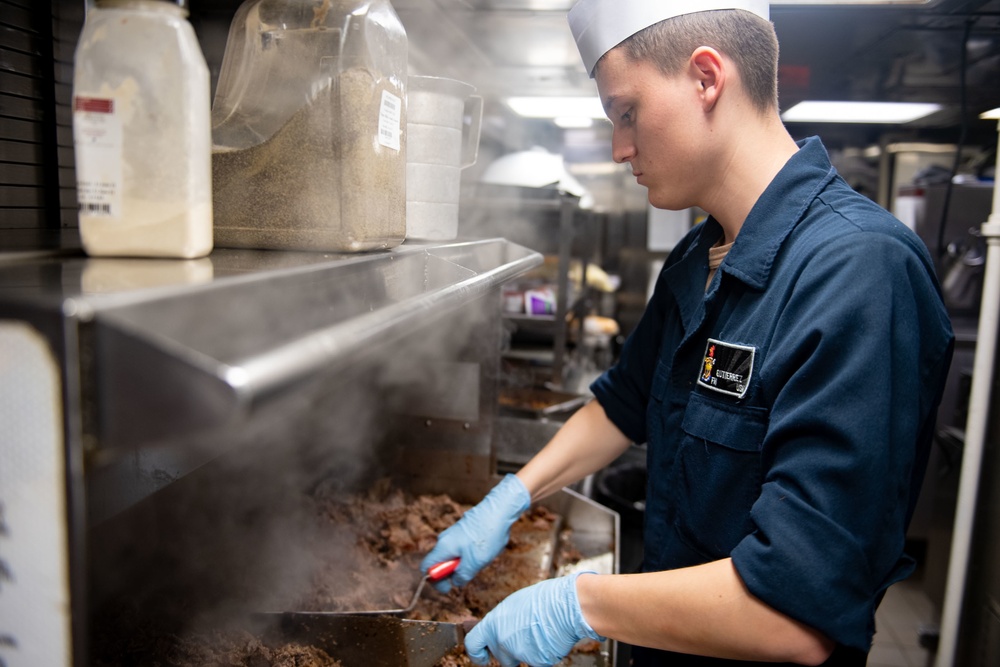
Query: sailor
(784, 376)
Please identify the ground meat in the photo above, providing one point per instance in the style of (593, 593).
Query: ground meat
(457, 657)
(387, 532)
(245, 650)
(393, 532)
(568, 553)
(389, 523)
(231, 648)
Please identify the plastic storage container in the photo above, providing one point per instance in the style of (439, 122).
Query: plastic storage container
(308, 127)
(142, 132)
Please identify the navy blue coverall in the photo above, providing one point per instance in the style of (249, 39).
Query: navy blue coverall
(788, 409)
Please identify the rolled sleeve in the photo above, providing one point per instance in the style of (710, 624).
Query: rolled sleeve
(618, 406)
(795, 570)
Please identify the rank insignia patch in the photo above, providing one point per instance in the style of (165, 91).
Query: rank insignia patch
(727, 368)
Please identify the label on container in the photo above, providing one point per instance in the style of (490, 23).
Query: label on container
(389, 115)
(97, 140)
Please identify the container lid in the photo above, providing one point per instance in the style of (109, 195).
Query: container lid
(172, 4)
(438, 84)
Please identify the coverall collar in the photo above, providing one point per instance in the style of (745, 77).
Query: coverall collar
(767, 226)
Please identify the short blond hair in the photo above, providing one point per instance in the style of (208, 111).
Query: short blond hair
(746, 38)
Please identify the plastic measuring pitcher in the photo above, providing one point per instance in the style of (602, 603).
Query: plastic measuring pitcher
(439, 145)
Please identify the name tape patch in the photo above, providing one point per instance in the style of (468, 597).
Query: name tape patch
(727, 367)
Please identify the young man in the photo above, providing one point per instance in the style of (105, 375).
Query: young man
(785, 376)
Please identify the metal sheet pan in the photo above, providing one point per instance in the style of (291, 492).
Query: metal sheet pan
(584, 527)
(361, 641)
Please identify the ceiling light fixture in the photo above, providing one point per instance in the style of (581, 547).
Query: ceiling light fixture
(574, 122)
(595, 168)
(556, 107)
(858, 112)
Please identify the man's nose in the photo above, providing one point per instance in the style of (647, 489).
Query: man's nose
(621, 150)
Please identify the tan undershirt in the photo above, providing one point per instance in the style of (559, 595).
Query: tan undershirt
(716, 254)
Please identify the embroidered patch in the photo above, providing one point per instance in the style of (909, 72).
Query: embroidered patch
(727, 368)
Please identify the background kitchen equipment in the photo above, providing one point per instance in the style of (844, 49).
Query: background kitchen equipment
(142, 133)
(439, 146)
(539, 402)
(964, 266)
(308, 127)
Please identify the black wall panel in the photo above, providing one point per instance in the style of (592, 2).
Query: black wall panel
(37, 180)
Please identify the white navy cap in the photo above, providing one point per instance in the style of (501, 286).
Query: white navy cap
(600, 25)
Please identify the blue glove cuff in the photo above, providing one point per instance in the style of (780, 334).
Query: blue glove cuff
(513, 494)
(582, 627)
(538, 625)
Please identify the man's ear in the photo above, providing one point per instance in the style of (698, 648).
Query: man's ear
(710, 73)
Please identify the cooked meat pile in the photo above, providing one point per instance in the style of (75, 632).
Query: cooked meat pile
(216, 648)
(395, 530)
(457, 657)
(369, 547)
(242, 649)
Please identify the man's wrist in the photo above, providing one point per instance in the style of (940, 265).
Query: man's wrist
(587, 593)
(518, 491)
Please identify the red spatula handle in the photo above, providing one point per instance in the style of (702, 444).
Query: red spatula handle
(442, 569)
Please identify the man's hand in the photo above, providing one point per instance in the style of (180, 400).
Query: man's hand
(537, 625)
(480, 534)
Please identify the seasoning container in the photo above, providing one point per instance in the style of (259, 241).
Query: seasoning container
(142, 132)
(308, 127)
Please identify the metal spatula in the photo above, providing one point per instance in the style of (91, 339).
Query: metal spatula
(435, 573)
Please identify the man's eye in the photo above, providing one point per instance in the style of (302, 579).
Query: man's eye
(627, 116)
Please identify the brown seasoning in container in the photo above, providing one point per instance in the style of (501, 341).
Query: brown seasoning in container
(321, 182)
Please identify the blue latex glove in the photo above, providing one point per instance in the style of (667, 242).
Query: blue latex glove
(482, 532)
(538, 625)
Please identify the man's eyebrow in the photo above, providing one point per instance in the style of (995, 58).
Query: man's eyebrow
(608, 103)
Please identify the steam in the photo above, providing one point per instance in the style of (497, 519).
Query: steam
(241, 534)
